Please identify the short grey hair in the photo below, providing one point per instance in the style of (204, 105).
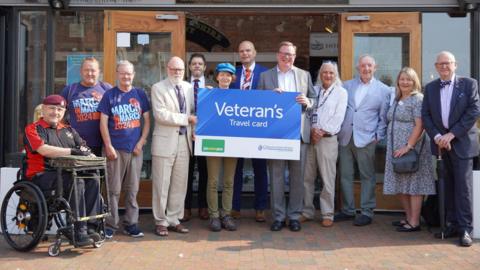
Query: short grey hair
(337, 81)
(365, 56)
(125, 63)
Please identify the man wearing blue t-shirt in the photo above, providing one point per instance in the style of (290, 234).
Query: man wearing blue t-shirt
(82, 101)
(122, 109)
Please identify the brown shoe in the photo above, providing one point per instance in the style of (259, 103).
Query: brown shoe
(179, 229)
(327, 223)
(303, 219)
(203, 213)
(187, 214)
(235, 214)
(161, 230)
(260, 216)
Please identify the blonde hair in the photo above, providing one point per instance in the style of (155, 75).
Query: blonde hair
(37, 113)
(412, 75)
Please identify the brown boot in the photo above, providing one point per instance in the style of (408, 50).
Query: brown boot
(235, 214)
(187, 214)
(260, 216)
(203, 213)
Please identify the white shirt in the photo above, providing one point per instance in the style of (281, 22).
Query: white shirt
(201, 83)
(361, 92)
(286, 81)
(330, 108)
(242, 79)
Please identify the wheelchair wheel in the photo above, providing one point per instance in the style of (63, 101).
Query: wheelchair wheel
(24, 216)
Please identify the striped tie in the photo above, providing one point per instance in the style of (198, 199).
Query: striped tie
(247, 80)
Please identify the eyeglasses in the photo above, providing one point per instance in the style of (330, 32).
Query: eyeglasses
(286, 54)
(176, 69)
(441, 64)
(126, 73)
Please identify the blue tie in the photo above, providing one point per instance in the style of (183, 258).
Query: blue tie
(445, 83)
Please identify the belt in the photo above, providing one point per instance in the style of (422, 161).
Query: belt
(326, 135)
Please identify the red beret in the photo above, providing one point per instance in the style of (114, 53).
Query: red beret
(55, 100)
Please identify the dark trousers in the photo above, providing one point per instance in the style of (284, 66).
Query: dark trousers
(260, 184)
(87, 193)
(458, 178)
(202, 182)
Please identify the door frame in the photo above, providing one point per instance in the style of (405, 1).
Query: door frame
(140, 21)
(380, 23)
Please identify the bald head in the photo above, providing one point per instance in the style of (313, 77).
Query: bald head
(247, 53)
(176, 69)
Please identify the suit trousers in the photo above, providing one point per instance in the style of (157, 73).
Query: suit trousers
(321, 156)
(458, 176)
(201, 162)
(169, 182)
(365, 158)
(214, 165)
(277, 186)
(260, 184)
(123, 172)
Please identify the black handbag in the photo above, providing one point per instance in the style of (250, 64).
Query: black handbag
(408, 163)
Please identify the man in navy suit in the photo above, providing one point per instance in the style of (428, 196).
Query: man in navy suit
(248, 75)
(450, 110)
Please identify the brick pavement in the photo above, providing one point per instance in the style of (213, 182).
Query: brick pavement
(254, 246)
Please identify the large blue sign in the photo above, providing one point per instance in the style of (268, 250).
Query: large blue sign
(252, 113)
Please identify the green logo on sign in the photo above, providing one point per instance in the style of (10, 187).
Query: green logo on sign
(217, 146)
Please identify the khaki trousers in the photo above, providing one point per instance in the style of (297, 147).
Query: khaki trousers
(323, 157)
(214, 165)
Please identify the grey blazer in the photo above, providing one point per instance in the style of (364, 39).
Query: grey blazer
(368, 121)
(269, 81)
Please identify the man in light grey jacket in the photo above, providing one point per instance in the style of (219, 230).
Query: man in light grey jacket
(364, 125)
(286, 77)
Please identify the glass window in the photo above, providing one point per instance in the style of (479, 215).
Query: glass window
(32, 47)
(77, 35)
(390, 51)
(454, 37)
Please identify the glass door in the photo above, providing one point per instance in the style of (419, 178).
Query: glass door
(147, 39)
(394, 40)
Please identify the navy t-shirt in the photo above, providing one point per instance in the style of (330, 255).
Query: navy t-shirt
(124, 110)
(82, 108)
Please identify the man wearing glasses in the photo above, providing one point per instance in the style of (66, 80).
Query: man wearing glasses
(286, 77)
(173, 109)
(450, 110)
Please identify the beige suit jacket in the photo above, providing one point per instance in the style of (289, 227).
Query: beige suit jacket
(168, 119)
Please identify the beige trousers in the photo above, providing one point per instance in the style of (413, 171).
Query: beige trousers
(169, 185)
(214, 165)
(321, 157)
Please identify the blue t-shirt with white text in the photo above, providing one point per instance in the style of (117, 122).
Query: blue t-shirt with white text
(82, 102)
(124, 110)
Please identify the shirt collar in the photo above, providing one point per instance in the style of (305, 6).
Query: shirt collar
(288, 71)
(44, 124)
(252, 67)
(201, 79)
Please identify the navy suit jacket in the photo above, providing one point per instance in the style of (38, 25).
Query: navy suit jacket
(464, 112)
(256, 76)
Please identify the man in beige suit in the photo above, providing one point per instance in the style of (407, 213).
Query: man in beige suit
(172, 105)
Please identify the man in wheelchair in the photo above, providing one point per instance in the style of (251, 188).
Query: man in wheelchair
(50, 138)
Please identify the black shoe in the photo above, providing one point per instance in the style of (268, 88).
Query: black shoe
(92, 233)
(340, 216)
(448, 232)
(82, 240)
(408, 228)
(465, 240)
(399, 223)
(277, 225)
(362, 220)
(294, 225)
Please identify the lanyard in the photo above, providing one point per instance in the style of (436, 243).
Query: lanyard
(324, 99)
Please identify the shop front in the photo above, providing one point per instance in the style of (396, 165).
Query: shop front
(41, 46)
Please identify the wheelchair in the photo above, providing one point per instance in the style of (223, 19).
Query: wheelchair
(27, 212)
